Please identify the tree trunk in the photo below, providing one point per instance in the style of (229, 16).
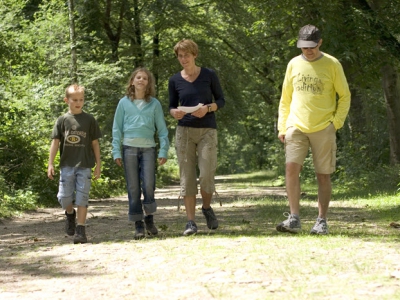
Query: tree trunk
(114, 37)
(391, 88)
(74, 69)
(159, 9)
(137, 41)
(156, 55)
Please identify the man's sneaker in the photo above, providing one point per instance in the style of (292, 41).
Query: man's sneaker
(80, 235)
(292, 224)
(70, 223)
(150, 228)
(320, 227)
(212, 222)
(191, 228)
(139, 230)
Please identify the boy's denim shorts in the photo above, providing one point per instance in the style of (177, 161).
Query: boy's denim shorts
(74, 186)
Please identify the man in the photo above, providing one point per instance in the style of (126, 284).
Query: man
(314, 104)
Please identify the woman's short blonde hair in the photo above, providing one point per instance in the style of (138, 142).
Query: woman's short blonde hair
(188, 46)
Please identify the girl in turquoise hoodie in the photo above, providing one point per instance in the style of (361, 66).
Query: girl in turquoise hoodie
(137, 118)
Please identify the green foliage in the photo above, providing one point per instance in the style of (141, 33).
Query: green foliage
(13, 201)
(106, 188)
(248, 43)
(169, 172)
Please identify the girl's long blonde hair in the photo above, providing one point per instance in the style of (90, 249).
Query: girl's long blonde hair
(150, 89)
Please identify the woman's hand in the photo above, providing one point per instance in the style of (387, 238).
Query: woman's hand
(201, 112)
(177, 113)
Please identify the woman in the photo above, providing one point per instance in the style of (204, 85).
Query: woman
(136, 119)
(196, 133)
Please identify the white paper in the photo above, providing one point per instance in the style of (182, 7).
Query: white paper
(190, 109)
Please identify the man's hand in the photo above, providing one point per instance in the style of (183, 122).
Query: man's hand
(281, 137)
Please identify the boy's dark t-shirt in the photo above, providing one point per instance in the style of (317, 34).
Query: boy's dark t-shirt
(76, 133)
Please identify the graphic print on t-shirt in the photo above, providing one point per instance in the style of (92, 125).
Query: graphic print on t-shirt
(309, 84)
(73, 137)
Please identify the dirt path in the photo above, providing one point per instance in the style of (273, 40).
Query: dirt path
(39, 261)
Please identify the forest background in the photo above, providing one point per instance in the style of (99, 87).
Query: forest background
(45, 45)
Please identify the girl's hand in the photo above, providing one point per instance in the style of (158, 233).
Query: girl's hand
(118, 161)
(162, 160)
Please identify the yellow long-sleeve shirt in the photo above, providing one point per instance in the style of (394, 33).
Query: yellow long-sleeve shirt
(314, 94)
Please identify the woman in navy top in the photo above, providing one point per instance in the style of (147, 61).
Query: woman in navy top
(196, 133)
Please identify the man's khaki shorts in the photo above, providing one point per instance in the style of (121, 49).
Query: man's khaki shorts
(196, 146)
(323, 148)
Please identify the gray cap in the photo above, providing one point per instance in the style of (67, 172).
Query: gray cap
(309, 36)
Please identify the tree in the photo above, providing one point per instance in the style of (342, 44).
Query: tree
(71, 12)
(383, 12)
(248, 44)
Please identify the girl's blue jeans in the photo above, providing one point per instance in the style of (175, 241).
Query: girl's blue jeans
(139, 167)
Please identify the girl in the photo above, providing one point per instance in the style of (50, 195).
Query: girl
(137, 117)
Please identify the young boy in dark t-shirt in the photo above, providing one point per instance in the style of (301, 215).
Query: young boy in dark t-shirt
(76, 134)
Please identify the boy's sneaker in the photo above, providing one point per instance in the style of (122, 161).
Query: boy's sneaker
(212, 222)
(191, 228)
(320, 227)
(70, 223)
(139, 230)
(150, 228)
(80, 235)
(292, 224)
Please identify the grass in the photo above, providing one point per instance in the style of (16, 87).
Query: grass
(245, 258)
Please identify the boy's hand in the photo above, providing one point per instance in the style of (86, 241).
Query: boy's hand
(97, 172)
(50, 172)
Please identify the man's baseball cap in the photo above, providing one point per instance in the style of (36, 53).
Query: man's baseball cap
(309, 36)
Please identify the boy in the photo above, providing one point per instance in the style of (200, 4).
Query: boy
(76, 134)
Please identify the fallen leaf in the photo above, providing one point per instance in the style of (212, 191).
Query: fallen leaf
(395, 225)
(395, 274)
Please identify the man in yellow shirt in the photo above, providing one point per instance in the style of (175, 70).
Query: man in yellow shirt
(314, 104)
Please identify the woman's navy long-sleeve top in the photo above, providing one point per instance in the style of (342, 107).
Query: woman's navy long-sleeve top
(202, 90)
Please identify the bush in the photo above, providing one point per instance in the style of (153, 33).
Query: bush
(12, 202)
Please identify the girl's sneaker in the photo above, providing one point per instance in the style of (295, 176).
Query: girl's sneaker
(139, 230)
(150, 228)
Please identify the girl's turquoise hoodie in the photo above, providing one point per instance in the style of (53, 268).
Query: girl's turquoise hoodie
(131, 122)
